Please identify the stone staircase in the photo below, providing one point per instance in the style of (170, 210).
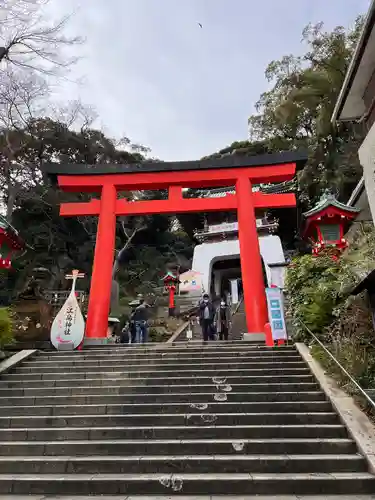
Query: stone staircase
(225, 419)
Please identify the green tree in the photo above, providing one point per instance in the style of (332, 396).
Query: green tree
(296, 112)
(57, 244)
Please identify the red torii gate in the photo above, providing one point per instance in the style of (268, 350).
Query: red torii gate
(241, 171)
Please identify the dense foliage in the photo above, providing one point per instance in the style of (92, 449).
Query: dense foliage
(57, 244)
(319, 288)
(319, 296)
(295, 113)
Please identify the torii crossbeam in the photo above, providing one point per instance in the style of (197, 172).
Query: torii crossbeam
(108, 180)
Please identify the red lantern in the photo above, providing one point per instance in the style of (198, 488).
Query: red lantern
(325, 225)
(170, 283)
(10, 242)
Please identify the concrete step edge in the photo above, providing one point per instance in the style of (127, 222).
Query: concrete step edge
(187, 477)
(10, 383)
(235, 353)
(165, 356)
(237, 403)
(158, 458)
(304, 370)
(239, 360)
(161, 427)
(167, 415)
(186, 497)
(181, 441)
(149, 386)
(171, 395)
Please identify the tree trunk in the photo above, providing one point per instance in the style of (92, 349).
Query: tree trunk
(10, 204)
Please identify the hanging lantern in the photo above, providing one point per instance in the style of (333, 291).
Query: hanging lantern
(326, 223)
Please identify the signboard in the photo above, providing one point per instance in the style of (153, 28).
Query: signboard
(226, 226)
(229, 226)
(190, 281)
(277, 276)
(234, 291)
(69, 326)
(276, 313)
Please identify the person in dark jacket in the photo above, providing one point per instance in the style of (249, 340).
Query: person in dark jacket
(140, 319)
(206, 318)
(222, 320)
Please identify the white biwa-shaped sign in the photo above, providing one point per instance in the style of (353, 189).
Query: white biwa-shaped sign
(69, 326)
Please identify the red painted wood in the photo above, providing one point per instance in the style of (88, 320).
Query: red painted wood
(245, 202)
(175, 193)
(101, 278)
(187, 178)
(177, 204)
(282, 200)
(172, 291)
(251, 262)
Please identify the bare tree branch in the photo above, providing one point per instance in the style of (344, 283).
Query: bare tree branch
(129, 233)
(29, 40)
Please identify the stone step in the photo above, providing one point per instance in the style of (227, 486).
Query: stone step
(193, 346)
(204, 446)
(195, 497)
(166, 354)
(205, 430)
(43, 375)
(33, 367)
(125, 389)
(167, 358)
(259, 381)
(172, 419)
(188, 484)
(238, 418)
(202, 397)
(156, 408)
(90, 364)
(174, 464)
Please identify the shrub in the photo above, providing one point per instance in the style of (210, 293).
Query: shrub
(6, 330)
(312, 287)
(319, 295)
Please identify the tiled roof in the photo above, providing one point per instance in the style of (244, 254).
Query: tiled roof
(328, 200)
(283, 187)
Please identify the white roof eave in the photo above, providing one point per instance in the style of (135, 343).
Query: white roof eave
(356, 75)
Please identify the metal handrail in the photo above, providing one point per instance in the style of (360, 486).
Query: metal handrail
(362, 391)
(237, 306)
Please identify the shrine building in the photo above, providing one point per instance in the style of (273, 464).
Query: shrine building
(217, 256)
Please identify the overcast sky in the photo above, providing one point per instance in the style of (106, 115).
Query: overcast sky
(154, 75)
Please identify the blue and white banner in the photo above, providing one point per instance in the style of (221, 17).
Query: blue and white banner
(276, 313)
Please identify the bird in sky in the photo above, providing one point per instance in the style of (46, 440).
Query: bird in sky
(199, 24)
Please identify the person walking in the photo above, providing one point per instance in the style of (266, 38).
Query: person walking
(222, 320)
(206, 318)
(140, 319)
